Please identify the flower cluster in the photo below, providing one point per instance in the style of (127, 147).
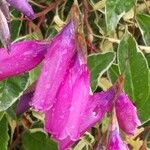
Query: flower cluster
(62, 91)
(21, 5)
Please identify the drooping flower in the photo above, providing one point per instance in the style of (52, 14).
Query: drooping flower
(63, 91)
(98, 105)
(126, 114)
(56, 63)
(114, 139)
(25, 56)
(71, 101)
(23, 6)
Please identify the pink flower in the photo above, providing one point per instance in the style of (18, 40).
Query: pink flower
(64, 118)
(114, 139)
(63, 93)
(23, 6)
(98, 105)
(25, 56)
(115, 142)
(56, 63)
(126, 114)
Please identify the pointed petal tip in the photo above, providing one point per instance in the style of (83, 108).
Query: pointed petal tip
(24, 7)
(127, 114)
(31, 15)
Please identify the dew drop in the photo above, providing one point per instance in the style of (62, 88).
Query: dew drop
(71, 108)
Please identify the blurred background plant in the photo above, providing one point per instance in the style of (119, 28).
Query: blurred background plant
(118, 39)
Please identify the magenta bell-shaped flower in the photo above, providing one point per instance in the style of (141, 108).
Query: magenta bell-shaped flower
(114, 139)
(63, 90)
(25, 56)
(98, 105)
(126, 114)
(56, 63)
(23, 6)
(70, 104)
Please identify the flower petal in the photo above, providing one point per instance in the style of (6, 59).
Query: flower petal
(126, 114)
(23, 104)
(65, 144)
(4, 31)
(114, 139)
(56, 63)
(98, 105)
(80, 96)
(25, 56)
(23, 6)
(115, 142)
(63, 119)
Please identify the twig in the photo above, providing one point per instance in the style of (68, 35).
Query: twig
(146, 49)
(147, 7)
(36, 4)
(143, 6)
(49, 8)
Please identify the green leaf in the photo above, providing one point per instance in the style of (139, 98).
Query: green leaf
(98, 64)
(15, 25)
(37, 141)
(144, 25)
(133, 64)
(11, 89)
(144, 112)
(113, 73)
(11, 112)
(4, 137)
(1, 115)
(34, 73)
(115, 9)
(148, 58)
(51, 32)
